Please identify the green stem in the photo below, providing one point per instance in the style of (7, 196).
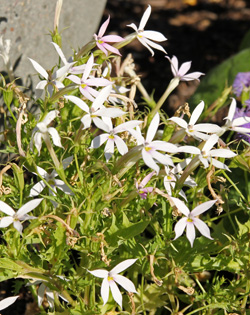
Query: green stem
(51, 150)
(233, 184)
(12, 115)
(244, 301)
(63, 91)
(172, 85)
(85, 49)
(188, 170)
(141, 295)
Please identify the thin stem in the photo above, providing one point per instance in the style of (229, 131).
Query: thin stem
(51, 150)
(233, 184)
(172, 85)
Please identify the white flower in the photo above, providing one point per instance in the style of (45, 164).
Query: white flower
(51, 80)
(193, 129)
(41, 131)
(149, 151)
(147, 37)
(234, 124)
(191, 221)
(20, 215)
(110, 278)
(172, 176)
(7, 302)
(97, 108)
(206, 155)
(51, 179)
(181, 73)
(111, 136)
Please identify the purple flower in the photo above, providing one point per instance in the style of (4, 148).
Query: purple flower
(243, 112)
(241, 82)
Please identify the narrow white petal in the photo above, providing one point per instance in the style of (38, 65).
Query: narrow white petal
(105, 290)
(37, 189)
(116, 292)
(18, 226)
(40, 293)
(180, 227)
(162, 158)
(179, 121)
(202, 228)
(127, 126)
(184, 68)
(146, 179)
(196, 113)
(88, 68)
(67, 161)
(145, 18)
(60, 53)
(41, 171)
(100, 273)
(231, 110)
(76, 100)
(125, 283)
(144, 43)
(121, 145)
(222, 153)
(62, 186)
(29, 206)
(181, 206)
(153, 128)
(110, 146)
(50, 116)
(149, 161)
(189, 149)
(164, 146)
(122, 266)
(39, 69)
(6, 221)
(110, 112)
(38, 141)
(55, 137)
(154, 45)
(190, 232)
(210, 128)
(202, 208)
(240, 121)
(99, 140)
(6, 208)
(102, 97)
(153, 35)
(210, 143)
(219, 164)
(102, 125)
(134, 27)
(7, 302)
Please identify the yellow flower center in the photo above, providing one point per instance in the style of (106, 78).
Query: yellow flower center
(110, 278)
(100, 41)
(111, 136)
(83, 85)
(189, 220)
(148, 149)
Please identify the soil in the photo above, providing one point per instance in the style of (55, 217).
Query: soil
(204, 31)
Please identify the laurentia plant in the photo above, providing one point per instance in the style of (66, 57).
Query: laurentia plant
(110, 187)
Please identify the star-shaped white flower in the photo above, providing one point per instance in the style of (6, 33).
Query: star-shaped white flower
(191, 221)
(20, 215)
(110, 278)
(111, 136)
(51, 179)
(193, 129)
(172, 175)
(234, 124)
(97, 108)
(149, 151)
(207, 154)
(42, 131)
(181, 73)
(147, 38)
(51, 80)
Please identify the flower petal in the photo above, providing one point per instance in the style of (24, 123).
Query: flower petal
(76, 100)
(153, 35)
(125, 283)
(121, 145)
(149, 161)
(37, 189)
(202, 228)
(179, 121)
(55, 137)
(115, 292)
(181, 206)
(39, 69)
(202, 208)
(153, 128)
(190, 232)
(99, 273)
(180, 227)
(145, 18)
(6, 208)
(99, 140)
(103, 27)
(6, 221)
(7, 302)
(18, 226)
(196, 113)
(50, 116)
(29, 206)
(122, 266)
(105, 290)
(101, 97)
